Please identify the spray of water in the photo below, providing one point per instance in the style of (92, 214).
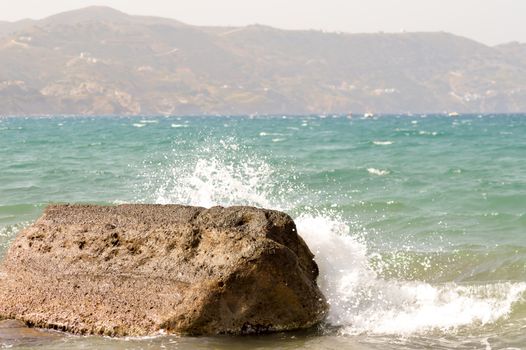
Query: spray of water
(360, 300)
(363, 302)
(208, 176)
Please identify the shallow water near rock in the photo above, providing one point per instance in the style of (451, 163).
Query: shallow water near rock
(418, 222)
(15, 333)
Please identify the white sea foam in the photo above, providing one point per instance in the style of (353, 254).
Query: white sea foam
(212, 182)
(264, 133)
(149, 121)
(8, 233)
(361, 301)
(378, 172)
(383, 143)
(138, 125)
(179, 125)
(423, 132)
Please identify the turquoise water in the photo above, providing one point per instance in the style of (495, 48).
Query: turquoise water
(418, 222)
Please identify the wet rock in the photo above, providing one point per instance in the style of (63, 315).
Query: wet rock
(140, 269)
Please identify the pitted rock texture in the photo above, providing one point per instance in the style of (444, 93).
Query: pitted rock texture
(138, 269)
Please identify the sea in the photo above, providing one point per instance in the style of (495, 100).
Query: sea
(417, 222)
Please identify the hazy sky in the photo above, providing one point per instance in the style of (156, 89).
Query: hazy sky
(488, 21)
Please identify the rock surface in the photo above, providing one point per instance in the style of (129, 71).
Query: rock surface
(139, 269)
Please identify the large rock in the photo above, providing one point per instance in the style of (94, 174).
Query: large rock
(139, 269)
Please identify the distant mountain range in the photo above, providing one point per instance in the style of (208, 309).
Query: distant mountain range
(99, 61)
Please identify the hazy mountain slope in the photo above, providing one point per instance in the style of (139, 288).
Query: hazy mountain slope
(7, 28)
(514, 51)
(101, 61)
(4, 26)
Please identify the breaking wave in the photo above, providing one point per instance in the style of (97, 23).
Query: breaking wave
(378, 172)
(361, 300)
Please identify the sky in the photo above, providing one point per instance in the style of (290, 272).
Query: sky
(487, 21)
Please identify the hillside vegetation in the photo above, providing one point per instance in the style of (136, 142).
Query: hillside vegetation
(100, 61)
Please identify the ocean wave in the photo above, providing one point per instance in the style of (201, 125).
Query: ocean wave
(383, 143)
(362, 299)
(427, 133)
(362, 302)
(378, 172)
(264, 133)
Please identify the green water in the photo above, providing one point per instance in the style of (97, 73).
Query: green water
(418, 222)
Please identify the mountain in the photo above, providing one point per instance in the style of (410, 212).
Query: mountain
(515, 51)
(98, 60)
(11, 27)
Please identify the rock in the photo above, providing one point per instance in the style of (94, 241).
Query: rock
(13, 332)
(140, 269)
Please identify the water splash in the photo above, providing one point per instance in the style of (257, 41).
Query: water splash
(221, 173)
(361, 301)
(8, 234)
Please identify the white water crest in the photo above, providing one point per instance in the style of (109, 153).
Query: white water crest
(218, 175)
(361, 301)
(378, 172)
(383, 143)
(213, 182)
